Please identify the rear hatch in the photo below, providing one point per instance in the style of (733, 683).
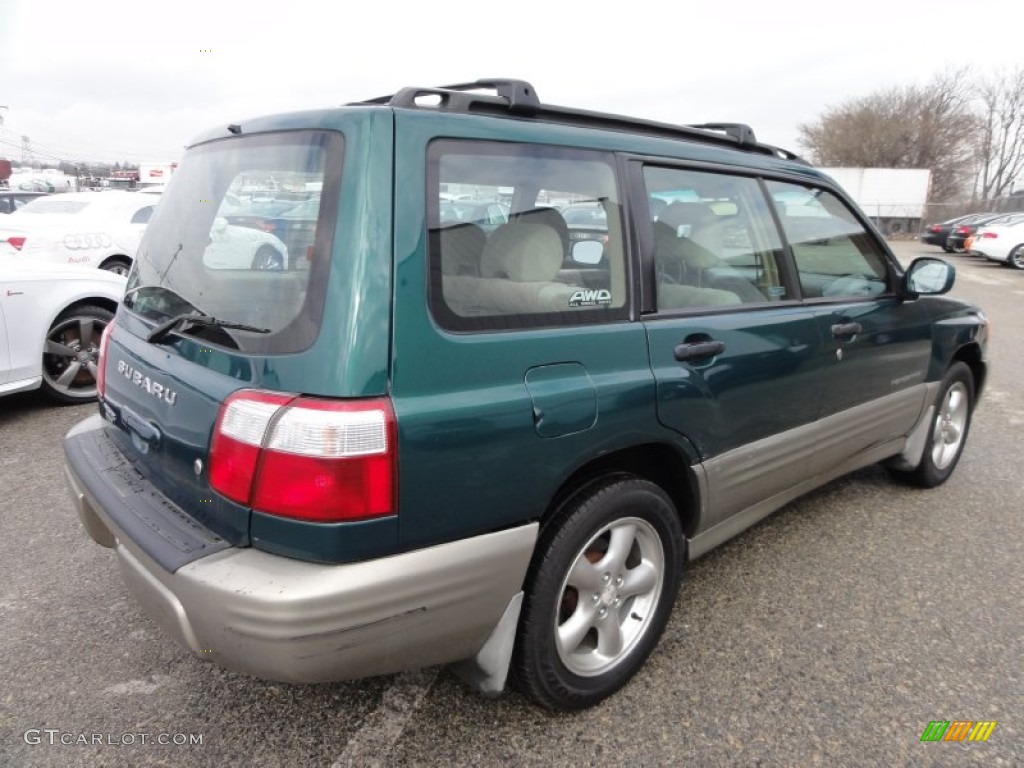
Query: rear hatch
(218, 302)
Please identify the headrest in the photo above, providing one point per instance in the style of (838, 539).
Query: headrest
(548, 216)
(682, 214)
(525, 253)
(689, 232)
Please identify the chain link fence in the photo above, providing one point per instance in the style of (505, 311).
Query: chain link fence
(938, 212)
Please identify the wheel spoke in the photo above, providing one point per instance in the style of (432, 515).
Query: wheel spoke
(609, 635)
(619, 547)
(576, 627)
(584, 576)
(639, 580)
(92, 368)
(954, 402)
(57, 348)
(69, 375)
(85, 329)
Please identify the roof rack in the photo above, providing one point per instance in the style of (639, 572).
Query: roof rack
(519, 98)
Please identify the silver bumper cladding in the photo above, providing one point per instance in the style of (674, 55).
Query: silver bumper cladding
(295, 621)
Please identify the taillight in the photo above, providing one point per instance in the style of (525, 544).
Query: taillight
(16, 242)
(306, 458)
(987, 235)
(101, 360)
(962, 230)
(935, 228)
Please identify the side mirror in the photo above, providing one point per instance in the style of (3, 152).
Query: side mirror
(928, 276)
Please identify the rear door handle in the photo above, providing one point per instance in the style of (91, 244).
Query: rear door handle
(846, 330)
(696, 350)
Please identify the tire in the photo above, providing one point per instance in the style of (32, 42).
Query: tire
(267, 258)
(948, 433)
(947, 249)
(600, 590)
(70, 354)
(118, 266)
(1016, 257)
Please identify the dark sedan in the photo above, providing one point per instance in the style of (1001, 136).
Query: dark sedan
(964, 229)
(936, 234)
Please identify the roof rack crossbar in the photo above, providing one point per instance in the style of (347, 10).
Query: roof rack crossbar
(517, 97)
(521, 96)
(742, 132)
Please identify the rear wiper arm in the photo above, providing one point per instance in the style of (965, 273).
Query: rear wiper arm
(181, 323)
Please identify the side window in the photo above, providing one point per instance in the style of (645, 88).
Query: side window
(835, 256)
(515, 260)
(714, 240)
(143, 215)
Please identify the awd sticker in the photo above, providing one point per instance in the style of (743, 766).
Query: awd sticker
(599, 297)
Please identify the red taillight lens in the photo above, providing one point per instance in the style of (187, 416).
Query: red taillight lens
(101, 360)
(962, 230)
(16, 242)
(988, 235)
(237, 438)
(309, 459)
(935, 228)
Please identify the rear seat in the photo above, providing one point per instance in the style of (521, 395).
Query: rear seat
(518, 270)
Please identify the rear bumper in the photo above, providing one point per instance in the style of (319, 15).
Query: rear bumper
(295, 621)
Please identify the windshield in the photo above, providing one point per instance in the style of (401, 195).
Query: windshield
(222, 242)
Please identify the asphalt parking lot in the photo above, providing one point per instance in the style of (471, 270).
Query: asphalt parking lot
(830, 634)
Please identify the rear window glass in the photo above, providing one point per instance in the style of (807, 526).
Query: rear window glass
(243, 234)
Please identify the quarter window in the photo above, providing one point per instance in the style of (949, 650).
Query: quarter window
(835, 256)
(503, 252)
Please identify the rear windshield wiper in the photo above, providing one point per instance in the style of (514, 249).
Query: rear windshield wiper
(181, 323)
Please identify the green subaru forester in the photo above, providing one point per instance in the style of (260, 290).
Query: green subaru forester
(372, 402)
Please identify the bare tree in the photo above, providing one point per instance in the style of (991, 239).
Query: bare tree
(1000, 141)
(905, 127)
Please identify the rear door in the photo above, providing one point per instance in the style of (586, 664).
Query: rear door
(735, 355)
(513, 365)
(164, 390)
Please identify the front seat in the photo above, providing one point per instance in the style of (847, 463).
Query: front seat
(688, 245)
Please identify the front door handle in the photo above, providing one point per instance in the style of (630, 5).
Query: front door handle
(846, 330)
(697, 350)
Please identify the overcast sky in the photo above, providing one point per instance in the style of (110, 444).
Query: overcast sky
(136, 80)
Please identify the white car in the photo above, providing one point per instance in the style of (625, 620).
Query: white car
(91, 229)
(1002, 242)
(51, 320)
(233, 247)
